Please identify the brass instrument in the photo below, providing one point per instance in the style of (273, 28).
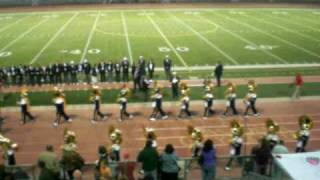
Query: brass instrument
(7, 144)
(115, 135)
(230, 88)
(195, 133)
(305, 124)
(149, 133)
(70, 143)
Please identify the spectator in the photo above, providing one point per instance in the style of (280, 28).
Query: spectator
(207, 161)
(71, 161)
(169, 165)
(148, 157)
(113, 166)
(77, 175)
(280, 148)
(262, 155)
(218, 73)
(298, 82)
(105, 171)
(126, 168)
(103, 158)
(45, 173)
(51, 160)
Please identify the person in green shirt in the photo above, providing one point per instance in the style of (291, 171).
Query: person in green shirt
(45, 173)
(149, 157)
(50, 159)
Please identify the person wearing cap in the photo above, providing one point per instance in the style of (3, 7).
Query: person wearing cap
(251, 98)
(157, 104)
(123, 101)
(175, 81)
(167, 65)
(125, 69)
(24, 105)
(230, 96)
(59, 102)
(151, 67)
(96, 100)
(208, 101)
(185, 103)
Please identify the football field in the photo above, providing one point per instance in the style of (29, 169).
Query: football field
(193, 38)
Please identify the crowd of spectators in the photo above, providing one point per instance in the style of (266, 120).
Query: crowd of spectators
(149, 164)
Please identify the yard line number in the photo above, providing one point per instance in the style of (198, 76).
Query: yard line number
(78, 51)
(179, 48)
(252, 47)
(5, 54)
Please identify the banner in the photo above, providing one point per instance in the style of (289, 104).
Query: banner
(300, 166)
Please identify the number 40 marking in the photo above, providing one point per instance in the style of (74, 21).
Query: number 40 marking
(179, 48)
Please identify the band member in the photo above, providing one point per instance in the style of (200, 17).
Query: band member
(96, 100)
(197, 138)
(167, 64)
(123, 101)
(251, 98)
(8, 149)
(60, 103)
(24, 105)
(157, 103)
(151, 67)
(208, 99)
(150, 136)
(116, 139)
(145, 83)
(175, 81)
(230, 95)
(70, 143)
(272, 129)
(185, 101)
(302, 135)
(235, 144)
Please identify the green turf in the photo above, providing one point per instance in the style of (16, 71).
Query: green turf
(110, 96)
(233, 36)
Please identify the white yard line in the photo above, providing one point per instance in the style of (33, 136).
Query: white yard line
(293, 22)
(36, 57)
(23, 34)
(226, 55)
(284, 28)
(245, 40)
(125, 29)
(9, 25)
(275, 37)
(309, 20)
(85, 49)
(155, 25)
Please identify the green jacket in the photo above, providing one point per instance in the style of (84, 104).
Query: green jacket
(46, 174)
(149, 159)
(51, 160)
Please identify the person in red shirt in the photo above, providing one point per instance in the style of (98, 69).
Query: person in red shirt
(126, 168)
(298, 82)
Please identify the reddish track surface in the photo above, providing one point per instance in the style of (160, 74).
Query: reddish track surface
(33, 137)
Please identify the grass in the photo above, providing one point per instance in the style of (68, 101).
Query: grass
(110, 96)
(191, 37)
